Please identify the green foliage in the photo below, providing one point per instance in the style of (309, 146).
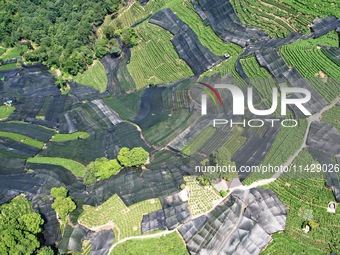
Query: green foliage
(60, 29)
(126, 105)
(222, 157)
(129, 37)
(8, 66)
(182, 186)
(109, 31)
(135, 157)
(45, 251)
(101, 47)
(60, 192)
(116, 51)
(203, 181)
(101, 169)
(223, 193)
(202, 198)
(19, 227)
(165, 245)
(62, 204)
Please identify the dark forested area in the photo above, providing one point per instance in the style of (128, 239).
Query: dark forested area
(63, 30)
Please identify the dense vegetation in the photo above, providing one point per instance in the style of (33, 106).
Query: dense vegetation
(102, 168)
(62, 203)
(19, 229)
(61, 32)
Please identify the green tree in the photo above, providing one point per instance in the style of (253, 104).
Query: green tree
(101, 169)
(129, 37)
(109, 31)
(46, 250)
(135, 157)
(101, 48)
(60, 192)
(124, 157)
(116, 51)
(63, 206)
(19, 227)
(32, 222)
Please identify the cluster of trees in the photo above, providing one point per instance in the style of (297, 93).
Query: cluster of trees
(19, 229)
(62, 203)
(63, 31)
(110, 45)
(102, 168)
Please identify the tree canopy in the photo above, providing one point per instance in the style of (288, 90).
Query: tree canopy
(62, 204)
(19, 227)
(135, 157)
(62, 31)
(101, 169)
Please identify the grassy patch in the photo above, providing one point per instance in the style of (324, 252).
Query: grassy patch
(12, 53)
(127, 220)
(154, 60)
(164, 245)
(331, 116)
(94, 76)
(6, 111)
(8, 66)
(75, 167)
(69, 137)
(201, 139)
(201, 197)
(23, 139)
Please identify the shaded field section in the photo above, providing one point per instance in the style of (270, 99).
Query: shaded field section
(148, 63)
(220, 15)
(234, 226)
(186, 42)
